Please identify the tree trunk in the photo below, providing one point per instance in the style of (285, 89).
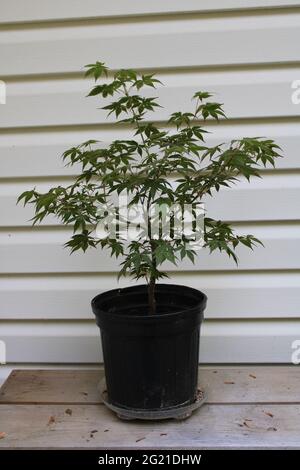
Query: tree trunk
(151, 297)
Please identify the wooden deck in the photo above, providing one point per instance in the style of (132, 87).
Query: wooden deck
(247, 408)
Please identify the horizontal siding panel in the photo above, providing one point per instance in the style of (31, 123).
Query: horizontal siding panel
(246, 95)
(34, 160)
(38, 252)
(16, 11)
(270, 198)
(230, 295)
(221, 342)
(259, 204)
(265, 39)
(38, 153)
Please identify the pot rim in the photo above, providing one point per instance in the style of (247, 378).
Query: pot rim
(199, 305)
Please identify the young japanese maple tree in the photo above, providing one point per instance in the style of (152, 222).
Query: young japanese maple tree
(155, 166)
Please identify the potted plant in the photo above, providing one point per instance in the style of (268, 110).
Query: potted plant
(150, 331)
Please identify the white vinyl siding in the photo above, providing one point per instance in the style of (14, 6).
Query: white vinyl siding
(247, 52)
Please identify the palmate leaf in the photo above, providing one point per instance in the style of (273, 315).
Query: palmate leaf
(26, 196)
(96, 70)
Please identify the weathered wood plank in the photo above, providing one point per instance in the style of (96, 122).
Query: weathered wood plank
(257, 384)
(51, 386)
(212, 427)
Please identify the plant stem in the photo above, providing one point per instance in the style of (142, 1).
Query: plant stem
(152, 280)
(151, 296)
(151, 286)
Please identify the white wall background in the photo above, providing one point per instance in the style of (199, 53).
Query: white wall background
(247, 52)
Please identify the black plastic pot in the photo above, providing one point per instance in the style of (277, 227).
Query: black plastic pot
(151, 361)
